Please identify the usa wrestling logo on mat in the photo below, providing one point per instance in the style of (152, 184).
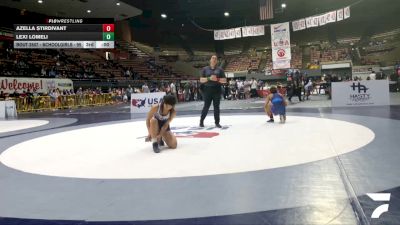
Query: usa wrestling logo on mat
(195, 132)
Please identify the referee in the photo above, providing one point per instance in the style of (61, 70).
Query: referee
(211, 79)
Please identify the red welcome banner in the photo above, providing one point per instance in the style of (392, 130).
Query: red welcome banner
(19, 85)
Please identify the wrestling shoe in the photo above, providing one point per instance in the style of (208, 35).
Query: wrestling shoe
(156, 149)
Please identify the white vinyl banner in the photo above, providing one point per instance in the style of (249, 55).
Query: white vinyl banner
(21, 84)
(299, 25)
(295, 25)
(322, 21)
(8, 109)
(346, 12)
(302, 24)
(281, 64)
(11, 109)
(360, 93)
(238, 32)
(280, 42)
(2, 109)
(315, 21)
(339, 15)
(309, 22)
(142, 102)
(217, 35)
(280, 35)
(331, 17)
(227, 34)
(253, 31)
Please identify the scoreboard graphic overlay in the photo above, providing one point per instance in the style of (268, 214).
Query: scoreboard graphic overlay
(65, 33)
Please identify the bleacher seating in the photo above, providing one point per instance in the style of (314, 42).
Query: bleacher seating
(329, 55)
(85, 64)
(242, 63)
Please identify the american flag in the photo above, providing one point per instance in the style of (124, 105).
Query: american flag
(266, 10)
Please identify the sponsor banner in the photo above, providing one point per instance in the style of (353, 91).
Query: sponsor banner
(339, 15)
(12, 84)
(360, 93)
(309, 22)
(281, 64)
(229, 74)
(280, 35)
(295, 25)
(335, 66)
(142, 102)
(224, 34)
(11, 109)
(2, 109)
(299, 25)
(238, 32)
(280, 42)
(302, 24)
(361, 70)
(8, 109)
(281, 54)
(346, 12)
(315, 21)
(279, 72)
(321, 20)
(330, 17)
(253, 31)
(216, 35)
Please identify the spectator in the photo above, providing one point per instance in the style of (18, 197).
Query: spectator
(145, 88)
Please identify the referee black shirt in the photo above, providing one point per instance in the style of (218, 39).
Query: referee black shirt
(208, 71)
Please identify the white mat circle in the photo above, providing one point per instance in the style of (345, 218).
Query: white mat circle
(118, 151)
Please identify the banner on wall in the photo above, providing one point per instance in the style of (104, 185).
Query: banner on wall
(299, 24)
(322, 19)
(360, 93)
(21, 84)
(309, 22)
(281, 64)
(331, 17)
(142, 102)
(225, 34)
(339, 15)
(280, 42)
(346, 12)
(253, 31)
(239, 32)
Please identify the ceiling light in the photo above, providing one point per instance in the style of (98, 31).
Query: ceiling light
(283, 5)
(164, 16)
(40, 1)
(88, 11)
(226, 14)
(118, 4)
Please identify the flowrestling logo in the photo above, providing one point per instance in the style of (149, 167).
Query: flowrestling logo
(195, 132)
(379, 197)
